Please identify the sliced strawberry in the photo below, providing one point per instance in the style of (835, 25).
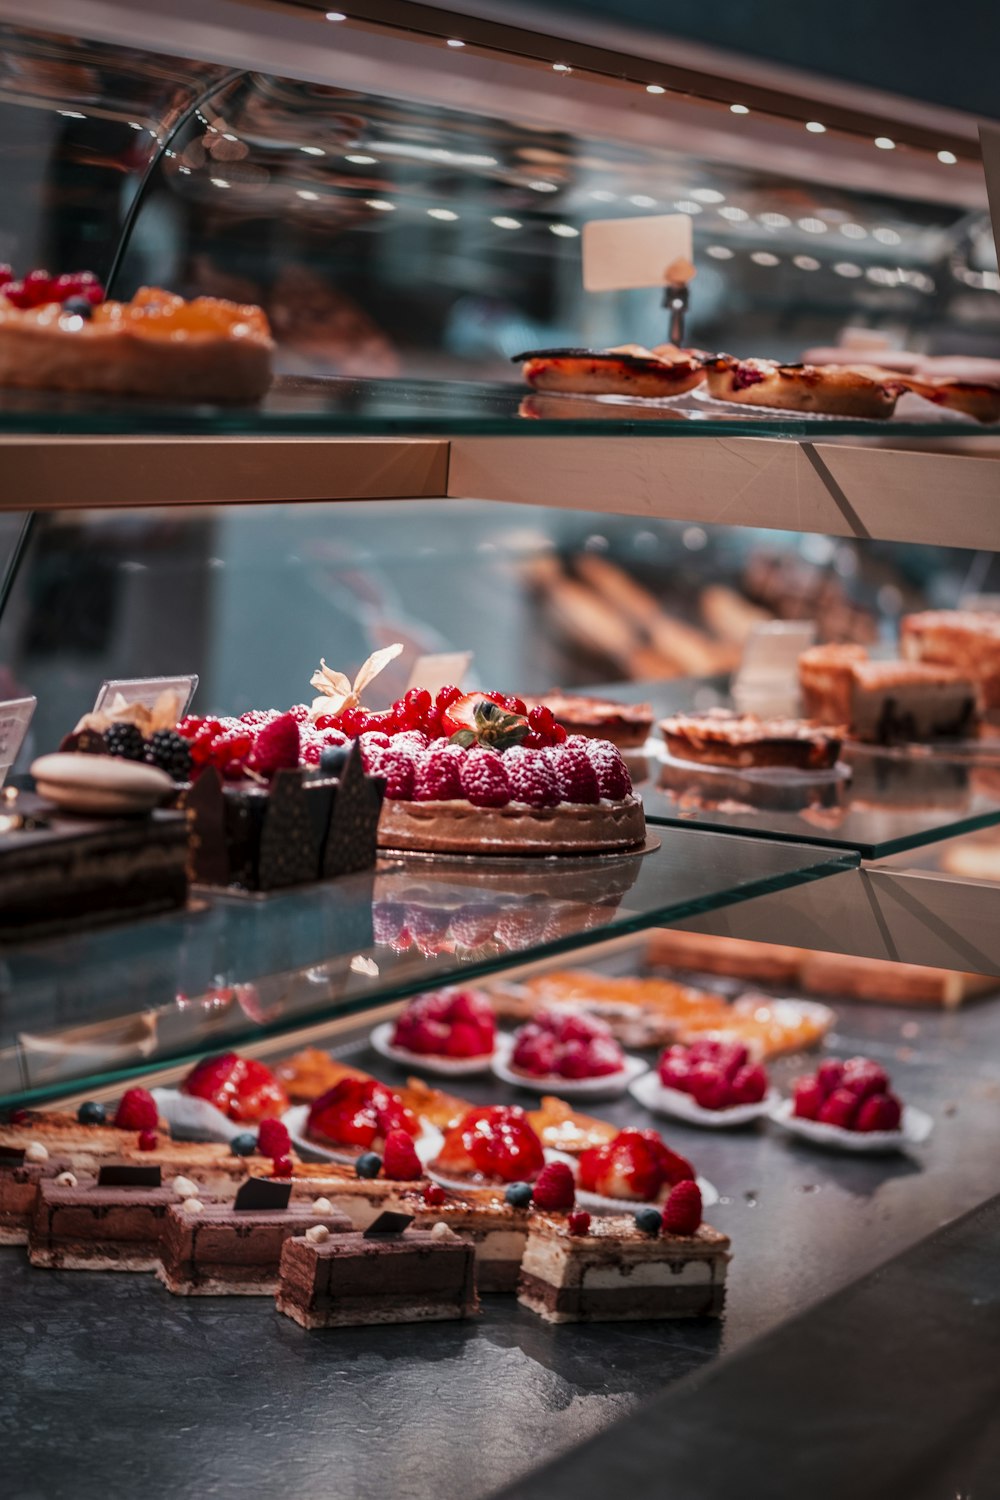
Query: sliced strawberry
(359, 1112)
(496, 1142)
(244, 1090)
(461, 712)
(627, 1167)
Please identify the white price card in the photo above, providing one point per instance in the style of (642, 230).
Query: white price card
(15, 716)
(623, 253)
(767, 681)
(436, 672)
(121, 692)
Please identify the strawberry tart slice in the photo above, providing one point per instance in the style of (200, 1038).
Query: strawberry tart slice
(637, 1166)
(489, 1147)
(352, 1121)
(446, 1031)
(568, 1051)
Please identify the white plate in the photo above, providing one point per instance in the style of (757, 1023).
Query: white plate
(610, 1086)
(428, 1142)
(663, 1101)
(454, 1067)
(915, 1127)
(193, 1119)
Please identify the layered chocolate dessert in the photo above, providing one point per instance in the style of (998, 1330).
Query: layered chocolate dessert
(113, 1224)
(723, 738)
(894, 701)
(215, 1249)
(617, 1271)
(966, 640)
(20, 1176)
(409, 1276)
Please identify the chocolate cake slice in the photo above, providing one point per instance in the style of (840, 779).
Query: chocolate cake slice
(20, 1176)
(416, 1276)
(216, 1249)
(618, 1272)
(114, 1224)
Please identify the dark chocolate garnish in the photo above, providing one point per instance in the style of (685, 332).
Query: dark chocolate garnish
(119, 1174)
(388, 1223)
(289, 848)
(352, 839)
(12, 1156)
(262, 1193)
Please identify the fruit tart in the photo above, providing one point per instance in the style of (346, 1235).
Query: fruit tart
(242, 1089)
(447, 1031)
(711, 1082)
(60, 333)
(489, 1146)
(833, 390)
(566, 1050)
(637, 1166)
(850, 1106)
(626, 370)
(353, 1119)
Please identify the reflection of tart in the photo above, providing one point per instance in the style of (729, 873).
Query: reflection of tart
(155, 345)
(831, 389)
(736, 793)
(964, 639)
(626, 725)
(491, 1146)
(630, 370)
(722, 738)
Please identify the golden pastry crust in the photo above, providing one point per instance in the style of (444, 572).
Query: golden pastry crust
(977, 398)
(457, 827)
(721, 738)
(629, 370)
(155, 345)
(834, 390)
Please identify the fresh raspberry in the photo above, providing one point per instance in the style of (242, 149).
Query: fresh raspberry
(436, 775)
(575, 776)
(484, 780)
(531, 777)
(299, 712)
(839, 1108)
(496, 1140)
(710, 1088)
(372, 739)
(148, 1140)
(807, 1098)
(682, 1214)
(749, 1085)
(829, 1075)
(400, 1161)
(864, 1077)
(435, 1195)
(613, 779)
(137, 1111)
(555, 1190)
(282, 1166)
(578, 1221)
(273, 1139)
(256, 718)
(534, 1051)
(397, 768)
(410, 739)
(879, 1112)
(674, 1068)
(276, 747)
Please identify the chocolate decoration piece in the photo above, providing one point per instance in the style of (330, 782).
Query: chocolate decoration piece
(388, 1223)
(289, 848)
(204, 803)
(118, 1174)
(352, 840)
(262, 1193)
(12, 1156)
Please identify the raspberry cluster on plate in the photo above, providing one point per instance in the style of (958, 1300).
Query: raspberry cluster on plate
(454, 1024)
(853, 1095)
(717, 1075)
(562, 1044)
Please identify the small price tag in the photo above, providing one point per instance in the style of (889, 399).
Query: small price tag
(623, 253)
(15, 716)
(767, 681)
(122, 692)
(435, 672)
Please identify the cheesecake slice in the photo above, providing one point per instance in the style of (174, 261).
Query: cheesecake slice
(894, 701)
(615, 1271)
(416, 1276)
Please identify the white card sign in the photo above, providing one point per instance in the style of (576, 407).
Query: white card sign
(767, 681)
(121, 692)
(15, 716)
(623, 253)
(436, 672)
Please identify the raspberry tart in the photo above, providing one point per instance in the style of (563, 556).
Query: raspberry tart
(833, 390)
(627, 370)
(60, 333)
(626, 725)
(637, 1166)
(242, 1089)
(448, 1031)
(712, 1082)
(850, 1106)
(489, 1147)
(353, 1119)
(565, 1050)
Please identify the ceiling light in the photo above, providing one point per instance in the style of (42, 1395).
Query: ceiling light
(738, 109)
(812, 226)
(363, 161)
(601, 195)
(442, 213)
(134, 125)
(561, 68)
(335, 15)
(687, 206)
(219, 182)
(74, 114)
(775, 221)
(815, 127)
(313, 150)
(887, 236)
(564, 231)
(708, 195)
(307, 194)
(543, 187)
(847, 268)
(805, 262)
(884, 143)
(854, 231)
(642, 200)
(719, 252)
(655, 88)
(503, 222)
(764, 258)
(948, 157)
(380, 204)
(734, 215)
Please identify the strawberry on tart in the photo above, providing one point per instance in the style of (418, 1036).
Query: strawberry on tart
(637, 1166)
(353, 1120)
(490, 1146)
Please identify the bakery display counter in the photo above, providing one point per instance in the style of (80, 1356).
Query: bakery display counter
(107, 1003)
(382, 1405)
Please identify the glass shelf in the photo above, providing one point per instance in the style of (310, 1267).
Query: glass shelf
(331, 406)
(894, 800)
(87, 1009)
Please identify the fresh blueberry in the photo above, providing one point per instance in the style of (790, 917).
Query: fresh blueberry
(649, 1220)
(518, 1195)
(244, 1144)
(369, 1164)
(91, 1113)
(78, 307)
(332, 758)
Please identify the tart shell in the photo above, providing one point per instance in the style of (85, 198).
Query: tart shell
(457, 827)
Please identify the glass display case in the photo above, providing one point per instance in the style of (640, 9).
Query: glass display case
(403, 191)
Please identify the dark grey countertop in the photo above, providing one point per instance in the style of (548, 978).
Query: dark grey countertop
(114, 1388)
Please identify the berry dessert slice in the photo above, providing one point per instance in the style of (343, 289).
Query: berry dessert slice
(489, 1147)
(446, 1031)
(627, 370)
(352, 1121)
(637, 1166)
(61, 337)
(243, 1090)
(565, 1049)
(834, 390)
(626, 725)
(849, 1106)
(711, 1082)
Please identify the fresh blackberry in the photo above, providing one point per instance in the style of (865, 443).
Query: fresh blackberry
(125, 741)
(171, 752)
